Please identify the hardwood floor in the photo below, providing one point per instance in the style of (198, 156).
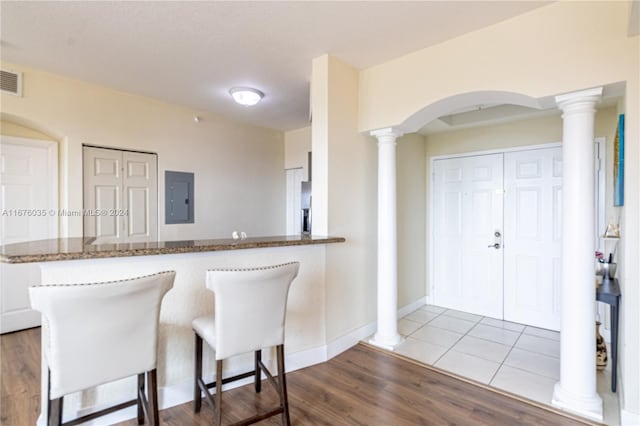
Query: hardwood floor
(20, 377)
(362, 386)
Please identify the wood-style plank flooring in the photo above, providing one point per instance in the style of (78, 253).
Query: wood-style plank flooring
(362, 386)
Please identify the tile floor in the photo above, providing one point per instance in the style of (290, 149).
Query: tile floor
(520, 359)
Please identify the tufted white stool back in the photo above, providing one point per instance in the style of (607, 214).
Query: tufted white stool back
(250, 307)
(100, 332)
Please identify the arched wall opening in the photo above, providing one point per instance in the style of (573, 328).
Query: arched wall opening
(13, 125)
(461, 101)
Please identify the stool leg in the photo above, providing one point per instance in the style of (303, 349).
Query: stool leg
(140, 401)
(218, 392)
(258, 370)
(197, 394)
(282, 379)
(55, 414)
(152, 381)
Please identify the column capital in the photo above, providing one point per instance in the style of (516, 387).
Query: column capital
(583, 96)
(387, 134)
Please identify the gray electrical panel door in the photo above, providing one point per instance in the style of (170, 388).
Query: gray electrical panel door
(178, 197)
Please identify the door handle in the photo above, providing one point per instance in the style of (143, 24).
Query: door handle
(495, 246)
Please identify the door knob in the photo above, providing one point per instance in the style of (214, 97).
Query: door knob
(495, 246)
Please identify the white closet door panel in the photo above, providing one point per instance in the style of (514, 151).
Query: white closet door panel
(102, 173)
(139, 214)
(106, 199)
(141, 196)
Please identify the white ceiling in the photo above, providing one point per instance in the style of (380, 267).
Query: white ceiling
(191, 53)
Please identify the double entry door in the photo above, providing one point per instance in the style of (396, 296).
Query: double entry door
(120, 195)
(497, 235)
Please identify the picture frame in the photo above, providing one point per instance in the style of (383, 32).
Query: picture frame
(618, 164)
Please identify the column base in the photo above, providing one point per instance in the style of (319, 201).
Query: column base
(386, 342)
(589, 407)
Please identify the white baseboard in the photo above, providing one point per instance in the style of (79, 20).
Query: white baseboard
(627, 418)
(412, 307)
(349, 340)
(307, 358)
(170, 396)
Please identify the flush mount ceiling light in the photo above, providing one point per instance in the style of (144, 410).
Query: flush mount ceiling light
(246, 96)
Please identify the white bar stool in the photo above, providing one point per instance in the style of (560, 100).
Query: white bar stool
(250, 307)
(98, 333)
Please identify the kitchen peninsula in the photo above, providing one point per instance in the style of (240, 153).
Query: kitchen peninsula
(76, 260)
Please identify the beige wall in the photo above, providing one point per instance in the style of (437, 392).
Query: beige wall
(239, 169)
(564, 47)
(8, 128)
(297, 146)
(560, 48)
(411, 218)
(349, 176)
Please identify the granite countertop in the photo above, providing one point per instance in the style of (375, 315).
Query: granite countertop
(82, 248)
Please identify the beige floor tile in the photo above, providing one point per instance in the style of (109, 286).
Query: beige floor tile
(481, 348)
(529, 385)
(543, 365)
(421, 351)
(462, 315)
(498, 335)
(512, 326)
(420, 316)
(468, 366)
(539, 345)
(437, 336)
(433, 308)
(452, 324)
(406, 327)
(541, 332)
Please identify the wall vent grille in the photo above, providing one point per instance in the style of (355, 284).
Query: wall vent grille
(11, 82)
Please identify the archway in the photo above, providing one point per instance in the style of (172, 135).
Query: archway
(576, 389)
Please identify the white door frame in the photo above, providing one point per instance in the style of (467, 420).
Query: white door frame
(601, 179)
(22, 316)
(293, 193)
(52, 163)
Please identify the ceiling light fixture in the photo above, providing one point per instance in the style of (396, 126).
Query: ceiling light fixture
(246, 96)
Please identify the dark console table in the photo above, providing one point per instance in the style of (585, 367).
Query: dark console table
(609, 292)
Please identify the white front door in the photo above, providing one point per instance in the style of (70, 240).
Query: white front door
(29, 192)
(120, 195)
(467, 206)
(533, 237)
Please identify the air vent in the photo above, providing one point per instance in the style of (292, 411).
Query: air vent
(11, 82)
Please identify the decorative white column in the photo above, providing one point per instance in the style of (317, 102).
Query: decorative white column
(387, 334)
(576, 390)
